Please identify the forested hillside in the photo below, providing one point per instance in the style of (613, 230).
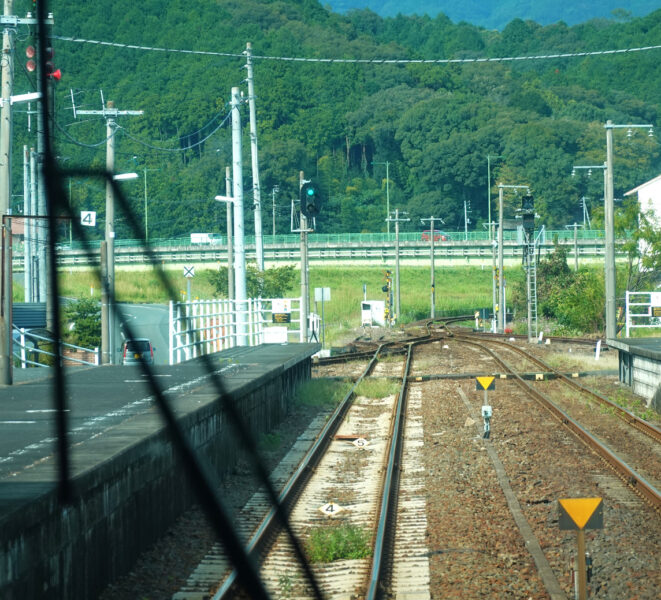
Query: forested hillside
(433, 123)
(496, 14)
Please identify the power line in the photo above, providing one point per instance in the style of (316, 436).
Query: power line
(147, 144)
(374, 61)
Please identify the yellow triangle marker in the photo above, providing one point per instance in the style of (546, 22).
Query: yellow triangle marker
(580, 509)
(486, 382)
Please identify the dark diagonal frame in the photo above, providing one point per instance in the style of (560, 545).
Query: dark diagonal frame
(200, 474)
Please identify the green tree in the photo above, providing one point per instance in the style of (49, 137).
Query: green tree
(275, 282)
(82, 322)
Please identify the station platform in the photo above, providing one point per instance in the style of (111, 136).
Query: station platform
(128, 483)
(639, 365)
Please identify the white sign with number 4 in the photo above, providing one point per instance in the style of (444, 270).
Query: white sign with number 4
(88, 218)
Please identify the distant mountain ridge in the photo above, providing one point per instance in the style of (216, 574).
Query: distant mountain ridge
(496, 14)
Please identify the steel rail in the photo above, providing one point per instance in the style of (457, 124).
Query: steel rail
(387, 511)
(259, 542)
(630, 476)
(628, 417)
(553, 338)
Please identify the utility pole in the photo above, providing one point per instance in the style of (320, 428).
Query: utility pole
(110, 113)
(501, 284)
(387, 163)
(305, 284)
(230, 246)
(240, 294)
(502, 317)
(34, 267)
(6, 340)
(27, 237)
(9, 23)
(494, 274)
(5, 112)
(466, 220)
(489, 157)
(575, 227)
(586, 214)
(256, 192)
(431, 220)
(609, 241)
(397, 221)
(273, 192)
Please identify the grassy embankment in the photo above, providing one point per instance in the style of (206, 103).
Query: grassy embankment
(458, 289)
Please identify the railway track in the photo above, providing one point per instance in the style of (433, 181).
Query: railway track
(631, 476)
(360, 483)
(350, 475)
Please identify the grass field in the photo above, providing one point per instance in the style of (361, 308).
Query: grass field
(458, 290)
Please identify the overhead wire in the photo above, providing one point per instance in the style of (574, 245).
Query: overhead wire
(374, 61)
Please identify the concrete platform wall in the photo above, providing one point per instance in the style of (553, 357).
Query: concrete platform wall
(646, 380)
(127, 502)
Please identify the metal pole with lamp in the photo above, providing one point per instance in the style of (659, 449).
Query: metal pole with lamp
(609, 223)
(489, 157)
(387, 163)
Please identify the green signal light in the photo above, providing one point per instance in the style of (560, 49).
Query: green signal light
(310, 191)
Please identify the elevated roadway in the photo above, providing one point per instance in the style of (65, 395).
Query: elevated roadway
(326, 250)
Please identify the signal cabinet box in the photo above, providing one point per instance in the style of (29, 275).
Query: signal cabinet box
(372, 312)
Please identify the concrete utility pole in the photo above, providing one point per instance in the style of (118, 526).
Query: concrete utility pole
(6, 343)
(256, 191)
(501, 284)
(502, 317)
(230, 236)
(387, 163)
(609, 221)
(5, 112)
(239, 232)
(273, 192)
(575, 227)
(305, 283)
(34, 268)
(489, 157)
(110, 113)
(494, 272)
(27, 237)
(432, 220)
(9, 23)
(397, 221)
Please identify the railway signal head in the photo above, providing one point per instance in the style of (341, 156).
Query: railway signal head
(310, 199)
(30, 65)
(49, 66)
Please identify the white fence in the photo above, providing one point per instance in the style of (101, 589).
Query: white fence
(642, 310)
(26, 350)
(205, 326)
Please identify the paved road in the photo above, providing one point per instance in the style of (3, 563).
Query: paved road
(145, 320)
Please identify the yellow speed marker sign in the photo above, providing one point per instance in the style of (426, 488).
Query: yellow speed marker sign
(581, 513)
(485, 383)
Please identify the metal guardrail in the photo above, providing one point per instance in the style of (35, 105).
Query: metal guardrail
(24, 350)
(289, 251)
(330, 238)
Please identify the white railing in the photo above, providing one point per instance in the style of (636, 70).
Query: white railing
(205, 326)
(642, 310)
(23, 338)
